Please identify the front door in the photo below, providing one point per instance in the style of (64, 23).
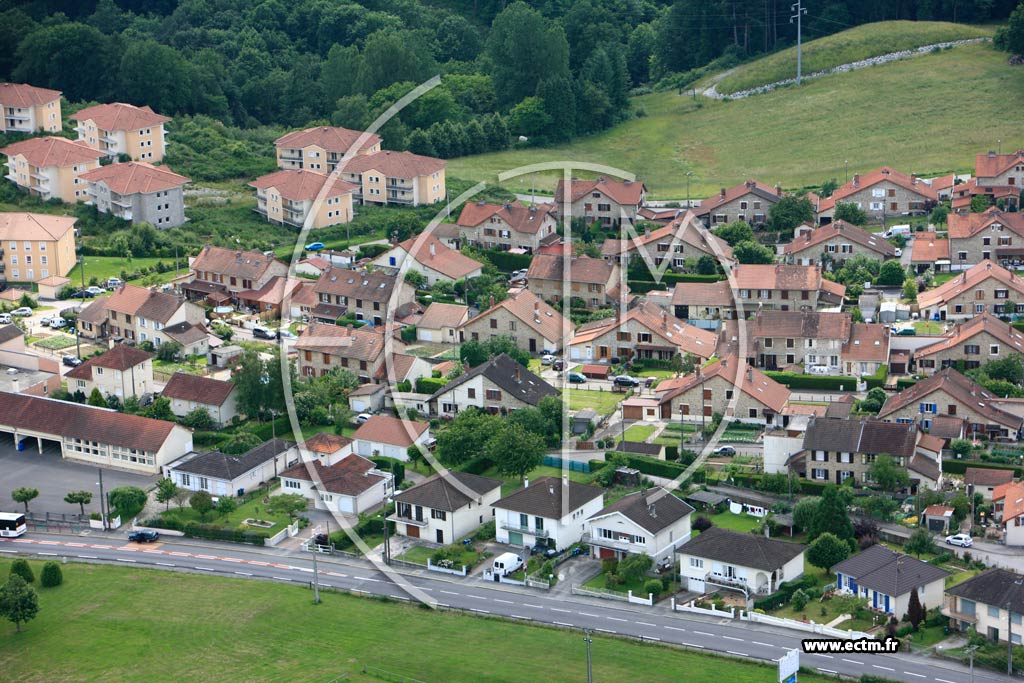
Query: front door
(412, 531)
(440, 536)
(533, 345)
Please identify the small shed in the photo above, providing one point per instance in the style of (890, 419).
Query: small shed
(224, 355)
(705, 500)
(583, 420)
(937, 518)
(596, 371)
(49, 287)
(651, 450)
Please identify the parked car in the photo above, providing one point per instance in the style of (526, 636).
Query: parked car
(46, 320)
(314, 246)
(362, 418)
(626, 381)
(962, 540)
(899, 252)
(907, 332)
(114, 282)
(547, 359)
(506, 563)
(143, 536)
(82, 294)
(96, 291)
(286, 334)
(5, 318)
(724, 450)
(576, 378)
(264, 333)
(22, 312)
(544, 550)
(58, 322)
(558, 365)
(71, 361)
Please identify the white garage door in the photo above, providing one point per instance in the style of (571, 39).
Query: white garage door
(345, 504)
(695, 585)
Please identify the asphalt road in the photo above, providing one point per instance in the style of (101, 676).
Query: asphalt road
(738, 639)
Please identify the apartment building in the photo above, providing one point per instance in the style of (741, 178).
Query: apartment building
(643, 332)
(120, 128)
(138, 192)
(972, 343)
(322, 348)
(882, 193)
(51, 167)
(987, 236)
(986, 287)
(321, 148)
(835, 450)
(290, 198)
(604, 200)
(1000, 176)
(712, 389)
(27, 109)
(832, 245)
(528, 320)
(123, 371)
(748, 202)
(137, 314)
(219, 274)
(782, 339)
(590, 282)
(507, 226)
(35, 246)
(367, 296)
(784, 287)
(402, 178)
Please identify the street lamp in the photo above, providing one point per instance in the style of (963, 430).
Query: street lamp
(689, 174)
(846, 168)
(387, 536)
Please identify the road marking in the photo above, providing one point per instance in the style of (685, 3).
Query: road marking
(205, 569)
(507, 602)
(615, 619)
(481, 611)
(244, 573)
(162, 564)
(93, 557)
(675, 628)
(853, 661)
(449, 593)
(477, 597)
(731, 638)
(562, 623)
(741, 654)
(762, 644)
(440, 604)
(911, 673)
(604, 630)
(303, 569)
(643, 623)
(121, 559)
(170, 553)
(533, 606)
(556, 609)
(8, 551)
(885, 668)
(943, 680)
(657, 639)
(223, 559)
(207, 557)
(699, 647)
(516, 616)
(704, 634)
(828, 671)
(370, 578)
(284, 578)
(814, 654)
(76, 545)
(356, 590)
(256, 562)
(42, 553)
(592, 616)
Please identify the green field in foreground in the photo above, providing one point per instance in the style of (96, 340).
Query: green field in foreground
(103, 267)
(912, 114)
(126, 624)
(863, 42)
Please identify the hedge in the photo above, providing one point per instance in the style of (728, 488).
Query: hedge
(506, 262)
(668, 280)
(905, 382)
(646, 465)
(798, 380)
(785, 592)
(395, 467)
(216, 532)
(429, 385)
(370, 526)
(960, 466)
(480, 465)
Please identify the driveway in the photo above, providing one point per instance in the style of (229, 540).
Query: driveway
(55, 477)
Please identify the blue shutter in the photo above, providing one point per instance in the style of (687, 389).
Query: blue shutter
(920, 408)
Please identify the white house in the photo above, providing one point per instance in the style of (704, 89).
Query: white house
(352, 485)
(440, 323)
(549, 511)
(122, 371)
(430, 258)
(652, 522)
(389, 437)
(367, 398)
(188, 392)
(988, 603)
(887, 578)
(499, 385)
(232, 475)
(445, 509)
(720, 557)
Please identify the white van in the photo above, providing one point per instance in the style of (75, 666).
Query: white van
(506, 563)
(897, 230)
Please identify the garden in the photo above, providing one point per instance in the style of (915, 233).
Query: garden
(451, 556)
(632, 573)
(259, 515)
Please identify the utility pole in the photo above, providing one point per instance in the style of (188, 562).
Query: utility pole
(387, 536)
(1009, 639)
(800, 11)
(970, 657)
(316, 580)
(103, 513)
(689, 174)
(588, 641)
(78, 326)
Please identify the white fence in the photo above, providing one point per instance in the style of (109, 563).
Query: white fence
(712, 612)
(636, 600)
(446, 570)
(162, 532)
(809, 627)
(287, 532)
(489, 575)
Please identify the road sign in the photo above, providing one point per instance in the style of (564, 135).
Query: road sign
(788, 666)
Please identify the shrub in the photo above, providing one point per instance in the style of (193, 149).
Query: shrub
(21, 568)
(611, 581)
(429, 385)
(799, 600)
(702, 524)
(653, 587)
(51, 576)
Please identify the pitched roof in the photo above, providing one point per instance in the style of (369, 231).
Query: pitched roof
(703, 294)
(509, 376)
(967, 330)
(924, 466)
(964, 226)
(653, 509)
(582, 269)
(777, 276)
(142, 302)
(544, 497)
(845, 231)
(186, 333)
(302, 184)
(390, 430)
(330, 138)
(249, 265)
(432, 253)
(968, 280)
(122, 357)
(958, 387)
(135, 177)
(627, 192)
(520, 218)
(686, 228)
(273, 291)
(987, 476)
(440, 315)
(864, 181)
(754, 383)
(34, 226)
(861, 436)
(802, 324)
(198, 389)
(991, 164)
(9, 331)
(120, 116)
(74, 420)
(52, 151)
(997, 587)
(867, 342)
(350, 476)
(669, 329)
(1012, 495)
(358, 343)
(327, 443)
(928, 248)
(947, 426)
(889, 572)
(375, 286)
(747, 550)
(754, 187)
(653, 449)
(534, 312)
(441, 493)
(938, 511)
(217, 465)
(24, 95)
(394, 164)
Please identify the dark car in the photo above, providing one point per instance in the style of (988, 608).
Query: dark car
(558, 365)
(82, 294)
(626, 381)
(143, 536)
(543, 550)
(264, 333)
(71, 361)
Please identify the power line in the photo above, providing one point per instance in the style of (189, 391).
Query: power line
(801, 12)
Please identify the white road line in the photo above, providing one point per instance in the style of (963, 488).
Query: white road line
(828, 671)
(244, 573)
(481, 611)
(93, 557)
(615, 619)
(449, 593)
(592, 616)
(699, 647)
(813, 653)
(704, 634)
(533, 606)
(8, 551)
(604, 630)
(943, 680)
(207, 557)
(261, 564)
(476, 597)
(741, 654)
(755, 642)
(516, 616)
(731, 638)
(556, 609)
(285, 578)
(440, 604)
(675, 628)
(507, 602)
(370, 578)
(42, 553)
(911, 673)
(205, 569)
(355, 590)
(643, 623)
(853, 661)
(884, 668)
(303, 569)
(162, 564)
(562, 623)
(121, 559)
(659, 639)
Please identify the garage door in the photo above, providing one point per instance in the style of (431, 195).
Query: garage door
(412, 531)
(695, 585)
(515, 538)
(345, 504)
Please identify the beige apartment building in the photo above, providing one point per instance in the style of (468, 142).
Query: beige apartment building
(882, 193)
(123, 371)
(749, 202)
(986, 287)
(51, 167)
(993, 235)
(973, 342)
(322, 348)
(592, 281)
(834, 244)
(506, 226)
(289, 198)
(220, 273)
(321, 148)
(784, 287)
(527, 319)
(28, 109)
(403, 178)
(36, 246)
(604, 200)
(120, 128)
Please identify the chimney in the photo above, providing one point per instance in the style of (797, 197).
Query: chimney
(778, 190)
(526, 482)
(913, 179)
(856, 180)
(518, 378)
(492, 302)
(536, 309)
(664, 320)
(551, 489)
(652, 511)
(722, 193)
(433, 252)
(750, 184)
(750, 374)
(991, 154)
(647, 231)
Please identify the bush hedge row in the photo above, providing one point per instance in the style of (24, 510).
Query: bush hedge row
(785, 592)
(506, 262)
(960, 466)
(797, 380)
(479, 465)
(212, 532)
(429, 385)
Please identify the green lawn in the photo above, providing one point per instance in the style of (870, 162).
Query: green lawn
(254, 509)
(743, 523)
(635, 585)
(959, 576)
(863, 42)
(889, 114)
(171, 367)
(420, 554)
(103, 267)
(812, 611)
(512, 484)
(929, 327)
(604, 402)
(640, 432)
(143, 625)
(56, 342)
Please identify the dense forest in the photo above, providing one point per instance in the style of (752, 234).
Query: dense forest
(548, 70)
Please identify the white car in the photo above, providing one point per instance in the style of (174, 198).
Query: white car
(899, 252)
(58, 322)
(362, 418)
(547, 359)
(95, 291)
(5, 318)
(22, 312)
(962, 540)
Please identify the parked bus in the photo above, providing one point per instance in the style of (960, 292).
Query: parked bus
(12, 524)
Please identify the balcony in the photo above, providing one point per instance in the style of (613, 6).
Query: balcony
(43, 179)
(406, 519)
(394, 184)
(120, 200)
(16, 117)
(613, 543)
(734, 582)
(950, 611)
(539, 533)
(292, 155)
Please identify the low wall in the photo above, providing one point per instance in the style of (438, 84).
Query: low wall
(606, 594)
(488, 575)
(690, 607)
(636, 600)
(446, 570)
(162, 532)
(809, 627)
(284, 533)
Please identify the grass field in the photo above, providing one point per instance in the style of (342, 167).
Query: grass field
(863, 42)
(742, 523)
(137, 626)
(603, 402)
(890, 114)
(103, 267)
(639, 432)
(929, 327)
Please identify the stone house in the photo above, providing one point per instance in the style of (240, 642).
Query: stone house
(832, 245)
(882, 193)
(506, 226)
(784, 287)
(986, 287)
(524, 317)
(643, 332)
(669, 247)
(752, 398)
(594, 282)
(367, 296)
(499, 385)
(219, 274)
(835, 450)
(972, 342)
(321, 348)
(748, 202)
(987, 236)
(604, 200)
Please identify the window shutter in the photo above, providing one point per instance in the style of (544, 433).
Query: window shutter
(920, 408)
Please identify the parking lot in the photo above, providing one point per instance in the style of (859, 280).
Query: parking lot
(54, 478)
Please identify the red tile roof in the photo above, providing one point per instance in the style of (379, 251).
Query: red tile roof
(331, 139)
(703, 294)
(135, 177)
(687, 229)
(120, 116)
(431, 253)
(967, 330)
(928, 248)
(667, 328)
(967, 280)
(121, 357)
(394, 164)
(802, 324)
(867, 342)
(862, 182)
(440, 315)
(582, 269)
(34, 226)
(988, 476)
(390, 430)
(524, 219)
(24, 95)
(963, 226)
(52, 151)
(249, 265)
(990, 165)
(959, 388)
(727, 195)
(327, 443)
(206, 390)
(359, 344)
(777, 276)
(754, 383)
(845, 231)
(534, 312)
(625, 192)
(350, 476)
(302, 185)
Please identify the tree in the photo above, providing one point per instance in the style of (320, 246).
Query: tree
(414, 454)
(288, 504)
(939, 214)
(827, 550)
(920, 542)
(198, 418)
(789, 212)
(804, 512)
(169, 351)
(127, 500)
(96, 398)
(707, 265)
(525, 48)
(466, 437)
(752, 252)
(81, 498)
(239, 443)
(960, 447)
(702, 524)
(1011, 37)
(915, 611)
(851, 213)
(529, 118)
(891, 274)
(181, 496)
(147, 61)
(159, 409)
(72, 57)
(873, 402)
(910, 290)
(831, 516)
(258, 383)
(24, 494)
(226, 505)
(632, 567)
(51, 576)
(20, 567)
(166, 490)
(201, 502)
(18, 601)
(514, 450)
(735, 232)
(887, 475)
